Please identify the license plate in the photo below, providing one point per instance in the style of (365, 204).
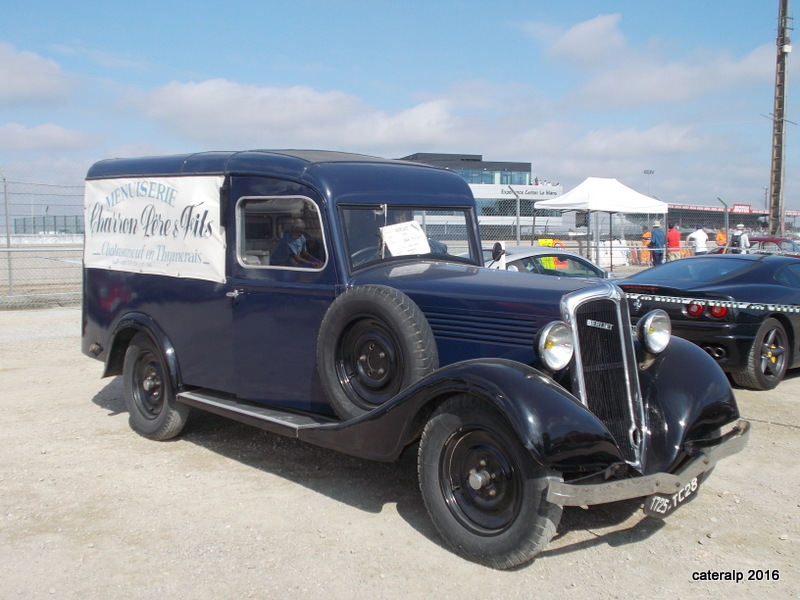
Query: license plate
(662, 505)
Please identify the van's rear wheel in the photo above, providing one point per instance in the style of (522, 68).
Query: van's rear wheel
(483, 490)
(152, 409)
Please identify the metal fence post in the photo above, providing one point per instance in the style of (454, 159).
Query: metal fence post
(8, 237)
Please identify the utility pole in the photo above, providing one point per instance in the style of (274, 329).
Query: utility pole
(776, 218)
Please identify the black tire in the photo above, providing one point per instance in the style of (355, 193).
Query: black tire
(373, 342)
(149, 397)
(768, 358)
(507, 520)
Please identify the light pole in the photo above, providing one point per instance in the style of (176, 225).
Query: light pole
(648, 172)
(727, 224)
(776, 204)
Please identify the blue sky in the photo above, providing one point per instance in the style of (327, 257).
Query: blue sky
(578, 88)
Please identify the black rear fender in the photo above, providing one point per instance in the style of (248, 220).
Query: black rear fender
(124, 331)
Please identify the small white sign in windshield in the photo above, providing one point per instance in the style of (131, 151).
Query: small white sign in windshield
(404, 239)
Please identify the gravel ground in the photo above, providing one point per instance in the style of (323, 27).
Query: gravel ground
(92, 510)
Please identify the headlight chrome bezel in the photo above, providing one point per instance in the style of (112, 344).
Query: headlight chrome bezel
(654, 331)
(556, 345)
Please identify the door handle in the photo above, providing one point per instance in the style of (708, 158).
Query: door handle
(234, 293)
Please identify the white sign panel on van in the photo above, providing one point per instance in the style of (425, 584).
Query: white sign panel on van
(157, 225)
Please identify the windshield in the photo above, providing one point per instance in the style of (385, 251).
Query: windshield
(387, 231)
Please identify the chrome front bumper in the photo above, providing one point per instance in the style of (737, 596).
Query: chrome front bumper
(572, 494)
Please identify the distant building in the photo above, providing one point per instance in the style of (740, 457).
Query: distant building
(496, 185)
(48, 225)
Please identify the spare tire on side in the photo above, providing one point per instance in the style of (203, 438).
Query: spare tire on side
(373, 342)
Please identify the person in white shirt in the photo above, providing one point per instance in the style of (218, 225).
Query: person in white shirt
(699, 238)
(739, 241)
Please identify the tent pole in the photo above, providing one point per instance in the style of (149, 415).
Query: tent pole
(610, 241)
(589, 235)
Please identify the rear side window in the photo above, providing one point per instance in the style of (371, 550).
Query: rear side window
(789, 275)
(282, 233)
(789, 246)
(704, 269)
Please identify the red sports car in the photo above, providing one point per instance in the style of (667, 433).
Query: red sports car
(766, 245)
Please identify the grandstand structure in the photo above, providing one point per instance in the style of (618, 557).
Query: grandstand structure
(715, 217)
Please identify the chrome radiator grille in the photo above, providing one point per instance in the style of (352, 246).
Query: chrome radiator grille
(606, 368)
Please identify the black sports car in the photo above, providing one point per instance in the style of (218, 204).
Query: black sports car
(743, 309)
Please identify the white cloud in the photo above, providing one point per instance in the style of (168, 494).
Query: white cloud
(48, 137)
(639, 79)
(219, 112)
(589, 43)
(610, 73)
(59, 169)
(26, 78)
(692, 116)
(612, 109)
(520, 124)
(101, 57)
(662, 139)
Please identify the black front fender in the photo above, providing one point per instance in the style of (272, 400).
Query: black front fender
(552, 424)
(687, 397)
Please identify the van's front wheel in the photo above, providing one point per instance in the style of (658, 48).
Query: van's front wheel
(149, 397)
(482, 488)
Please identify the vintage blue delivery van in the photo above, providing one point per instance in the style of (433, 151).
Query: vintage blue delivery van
(341, 299)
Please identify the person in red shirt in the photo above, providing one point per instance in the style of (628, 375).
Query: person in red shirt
(673, 242)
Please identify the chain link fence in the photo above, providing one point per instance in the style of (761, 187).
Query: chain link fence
(42, 238)
(611, 241)
(42, 231)
(621, 240)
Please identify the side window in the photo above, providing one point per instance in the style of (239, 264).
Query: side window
(524, 265)
(546, 264)
(279, 232)
(576, 268)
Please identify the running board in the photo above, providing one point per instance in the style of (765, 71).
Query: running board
(265, 417)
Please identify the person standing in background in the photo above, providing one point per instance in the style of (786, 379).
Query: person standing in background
(740, 241)
(644, 257)
(658, 242)
(699, 238)
(673, 242)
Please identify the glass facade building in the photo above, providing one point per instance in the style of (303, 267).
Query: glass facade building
(475, 170)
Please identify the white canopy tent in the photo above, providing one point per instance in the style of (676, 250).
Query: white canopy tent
(604, 194)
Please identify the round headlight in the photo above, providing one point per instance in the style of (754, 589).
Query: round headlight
(555, 345)
(654, 330)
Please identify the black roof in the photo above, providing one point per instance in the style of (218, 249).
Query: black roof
(330, 173)
(219, 163)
